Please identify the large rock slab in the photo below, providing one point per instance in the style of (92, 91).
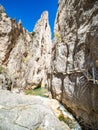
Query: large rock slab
(22, 112)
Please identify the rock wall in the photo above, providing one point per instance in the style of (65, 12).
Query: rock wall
(73, 78)
(72, 72)
(26, 56)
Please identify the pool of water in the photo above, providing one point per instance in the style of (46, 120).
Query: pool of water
(37, 91)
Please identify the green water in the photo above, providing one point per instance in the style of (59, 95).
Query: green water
(38, 91)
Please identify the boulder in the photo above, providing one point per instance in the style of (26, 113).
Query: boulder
(22, 112)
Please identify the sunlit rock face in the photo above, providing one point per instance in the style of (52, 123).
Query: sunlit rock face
(9, 32)
(25, 55)
(74, 65)
(25, 112)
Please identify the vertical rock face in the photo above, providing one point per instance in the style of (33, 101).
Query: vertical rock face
(9, 32)
(40, 50)
(26, 56)
(74, 69)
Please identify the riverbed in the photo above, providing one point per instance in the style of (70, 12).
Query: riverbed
(64, 115)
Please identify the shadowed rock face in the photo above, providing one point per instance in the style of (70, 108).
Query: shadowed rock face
(25, 55)
(74, 66)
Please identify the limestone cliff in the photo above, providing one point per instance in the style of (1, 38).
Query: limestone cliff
(72, 72)
(25, 56)
(74, 67)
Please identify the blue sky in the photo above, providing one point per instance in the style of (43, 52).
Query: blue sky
(29, 11)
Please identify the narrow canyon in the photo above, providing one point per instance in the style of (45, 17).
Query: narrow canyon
(66, 65)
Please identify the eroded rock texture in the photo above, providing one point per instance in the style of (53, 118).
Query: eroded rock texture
(21, 112)
(25, 55)
(74, 66)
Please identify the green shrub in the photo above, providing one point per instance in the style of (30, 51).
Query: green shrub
(61, 117)
(57, 36)
(1, 69)
(67, 120)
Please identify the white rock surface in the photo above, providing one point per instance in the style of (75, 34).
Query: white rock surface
(21, 112)
(25, 55)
